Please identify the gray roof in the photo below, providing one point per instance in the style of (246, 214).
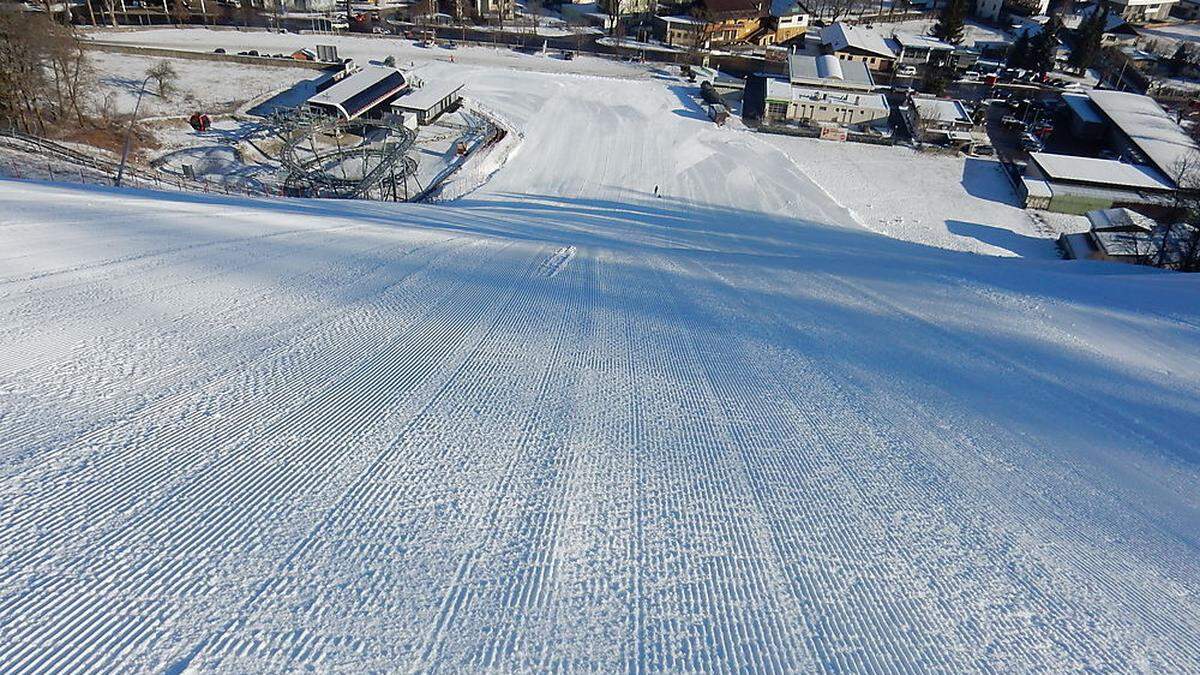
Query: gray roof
(358, 92)
(782, 91)
(828, 70)
(911, 41)
(942, 109)
(427, 96)
(1150, 128)
(1100, 171)
(1082, 106)
(1119, 219)
(841, 36)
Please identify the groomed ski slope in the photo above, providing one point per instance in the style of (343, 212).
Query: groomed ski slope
(561, 424)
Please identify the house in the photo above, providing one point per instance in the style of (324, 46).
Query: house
(304, 55)
(940, 120)
(1142, 11)
(429, 101)
(857, 43)
(790, 21)
(364, 92)
(683, 31)
(626, 7)
(733, 21)
(919, 49)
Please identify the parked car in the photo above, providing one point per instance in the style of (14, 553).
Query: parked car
(1011, 122)
(1031, 143)
(906, 71)
(450, 44)
(378, 30)
(219, 50)
(971, 76)
(568, 55)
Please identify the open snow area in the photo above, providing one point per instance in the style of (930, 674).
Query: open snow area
(955, 202)
(563, 424)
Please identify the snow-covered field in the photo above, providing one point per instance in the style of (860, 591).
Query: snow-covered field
(960, 203)
(564, 424)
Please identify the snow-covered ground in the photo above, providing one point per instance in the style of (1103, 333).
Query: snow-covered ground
(960, 203)
(365, 48)
(565, 424)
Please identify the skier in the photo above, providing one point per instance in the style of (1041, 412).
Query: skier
(655, 190)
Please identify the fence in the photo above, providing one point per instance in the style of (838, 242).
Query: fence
(66, 164)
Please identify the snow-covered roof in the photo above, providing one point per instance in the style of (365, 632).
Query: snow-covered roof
(1148, 126)
(428, 95)
(359, 92)
(1124, 243)
(841, 36)
(1100, 171)
(1082, 106)
(684, 20)
(829, 70)
(786, 8)
(783, 91)
(911, 41)
(1119, 219)
(941, 109)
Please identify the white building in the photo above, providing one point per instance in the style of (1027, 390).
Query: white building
(1142, 11)
(825, 90)
(786, 101)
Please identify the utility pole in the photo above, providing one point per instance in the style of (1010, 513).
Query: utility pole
(129, 133)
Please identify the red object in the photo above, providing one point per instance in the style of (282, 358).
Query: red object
(200, 121)
(990, 79)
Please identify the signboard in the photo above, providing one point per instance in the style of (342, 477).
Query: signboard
(833, 133)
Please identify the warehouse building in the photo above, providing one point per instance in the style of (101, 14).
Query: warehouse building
(1070, 184)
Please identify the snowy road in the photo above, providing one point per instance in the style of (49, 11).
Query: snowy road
(563, 424)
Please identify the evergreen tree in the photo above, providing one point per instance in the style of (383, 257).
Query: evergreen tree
(1089, 38)
(950, 23)
(1041, 47)
(1018, 54)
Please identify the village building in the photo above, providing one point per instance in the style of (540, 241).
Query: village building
(944, 121)
(825, 90)
(1142, 11)
(857, 43)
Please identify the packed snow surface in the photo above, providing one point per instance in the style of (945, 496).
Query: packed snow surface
(562, 423)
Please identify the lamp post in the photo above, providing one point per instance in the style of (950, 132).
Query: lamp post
(129, 132)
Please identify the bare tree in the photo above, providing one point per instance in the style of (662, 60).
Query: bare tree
(164, 75)
(23, 73)
(180, 12)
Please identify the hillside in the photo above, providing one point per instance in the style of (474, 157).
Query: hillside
(562, 423)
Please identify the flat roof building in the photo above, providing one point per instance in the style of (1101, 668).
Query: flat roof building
(429, 101)
(828, 71)
(788, 102)
(1070, 184)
